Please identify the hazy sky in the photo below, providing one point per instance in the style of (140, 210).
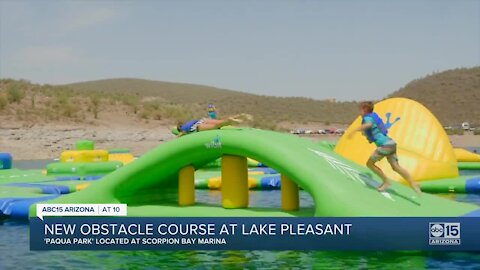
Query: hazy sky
(320, 49)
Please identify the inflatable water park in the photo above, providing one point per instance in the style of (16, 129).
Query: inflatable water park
(234, 161)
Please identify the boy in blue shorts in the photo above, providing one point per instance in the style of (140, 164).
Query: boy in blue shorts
(375, 131)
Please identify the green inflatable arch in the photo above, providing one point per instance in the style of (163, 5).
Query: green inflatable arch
(338, 186)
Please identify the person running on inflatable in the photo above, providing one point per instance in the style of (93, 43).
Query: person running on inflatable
(207, 124)
(374, 129)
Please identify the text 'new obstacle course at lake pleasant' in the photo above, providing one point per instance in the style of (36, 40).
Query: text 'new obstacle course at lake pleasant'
(196, 229)
(179, 233)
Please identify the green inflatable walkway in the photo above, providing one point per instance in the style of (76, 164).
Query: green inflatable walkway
(338, 186)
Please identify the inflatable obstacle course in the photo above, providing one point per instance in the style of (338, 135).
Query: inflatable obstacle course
(86, 162)
(21, 188)
(86, 153)
(76, 171)
(19, 196)
(338, 186)
(163, 182)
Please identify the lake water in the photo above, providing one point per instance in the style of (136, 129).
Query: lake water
(15, 253)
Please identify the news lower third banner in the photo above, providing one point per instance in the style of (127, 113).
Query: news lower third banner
(366, 233)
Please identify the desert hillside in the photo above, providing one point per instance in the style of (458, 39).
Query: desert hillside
(40, 121)
(452, 95)
(195, 98)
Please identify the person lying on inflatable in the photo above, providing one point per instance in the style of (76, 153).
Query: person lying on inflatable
(207, 124)
(374, 129)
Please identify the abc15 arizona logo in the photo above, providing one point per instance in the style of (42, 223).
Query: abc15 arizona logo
(444, 233)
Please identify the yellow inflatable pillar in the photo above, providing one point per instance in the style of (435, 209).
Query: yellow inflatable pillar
(234, 182)
(186, 186)
(290, 194)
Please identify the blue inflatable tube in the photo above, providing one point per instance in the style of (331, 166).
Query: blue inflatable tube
(472, 185)
(46, 188)
(20, 207)
(271, 182)
(5, 161)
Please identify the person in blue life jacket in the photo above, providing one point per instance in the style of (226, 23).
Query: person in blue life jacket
(196, 125)
(374, 129)
(212, 112)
